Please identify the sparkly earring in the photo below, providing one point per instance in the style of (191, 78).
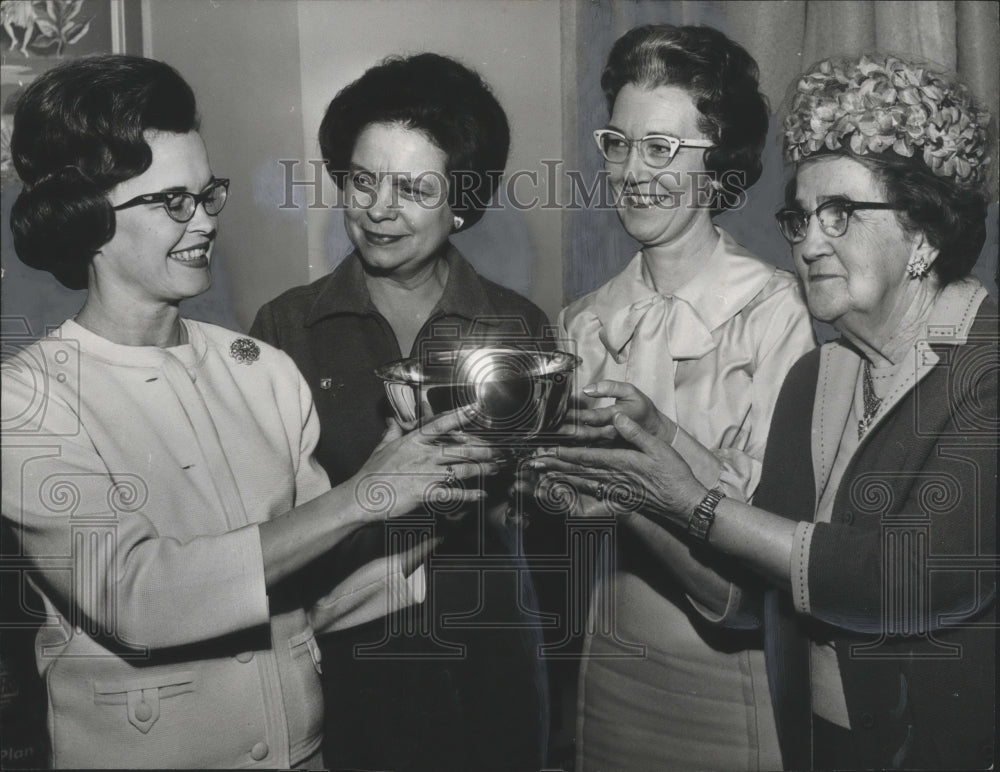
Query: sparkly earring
(458, 222)
(917, 267)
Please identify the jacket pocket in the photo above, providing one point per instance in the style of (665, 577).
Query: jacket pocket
(304, 713)
(306, 641)
(141, 696)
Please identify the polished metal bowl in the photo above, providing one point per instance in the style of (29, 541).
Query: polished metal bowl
(517, 393)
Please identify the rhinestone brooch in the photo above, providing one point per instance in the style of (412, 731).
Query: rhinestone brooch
(244, 351)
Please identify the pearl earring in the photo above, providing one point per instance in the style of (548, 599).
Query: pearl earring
(458, 222)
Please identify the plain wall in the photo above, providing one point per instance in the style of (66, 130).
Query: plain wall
(242, 59)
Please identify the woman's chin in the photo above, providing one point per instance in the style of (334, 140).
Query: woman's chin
(196, 287)
(647, 226)
(376, 267)
(824, 310)
(382, 262)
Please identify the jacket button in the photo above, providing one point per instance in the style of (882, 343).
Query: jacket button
(867, 720)
(259, 751)
(244, 656)
(143, 712)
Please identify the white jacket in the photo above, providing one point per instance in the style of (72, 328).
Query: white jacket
(133, 480)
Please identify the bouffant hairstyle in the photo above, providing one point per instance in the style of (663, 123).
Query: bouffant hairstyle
(435, 95)
(918, 131)
(78, 132)
(723, 80)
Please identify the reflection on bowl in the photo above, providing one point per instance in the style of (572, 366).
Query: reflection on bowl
(518, 394)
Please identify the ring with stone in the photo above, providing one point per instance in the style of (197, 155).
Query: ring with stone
(449, 476)
(599, 493)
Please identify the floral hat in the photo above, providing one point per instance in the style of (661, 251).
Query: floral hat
(876, 104)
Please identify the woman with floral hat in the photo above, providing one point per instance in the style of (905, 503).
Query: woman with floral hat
(873, 531)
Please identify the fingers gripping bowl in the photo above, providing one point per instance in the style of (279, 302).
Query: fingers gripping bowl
(517, 394)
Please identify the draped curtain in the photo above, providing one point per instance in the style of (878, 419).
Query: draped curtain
(785, 37)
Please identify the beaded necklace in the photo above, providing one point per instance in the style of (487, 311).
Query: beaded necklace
(871, 401)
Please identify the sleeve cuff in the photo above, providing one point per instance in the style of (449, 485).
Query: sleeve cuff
(375, 590)
(799, 566)
(706, 468)
(247, 594)
(414, 587)
(732, 604)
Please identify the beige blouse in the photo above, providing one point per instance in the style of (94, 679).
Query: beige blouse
(712, 356)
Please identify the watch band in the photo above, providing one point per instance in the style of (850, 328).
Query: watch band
(704, 515)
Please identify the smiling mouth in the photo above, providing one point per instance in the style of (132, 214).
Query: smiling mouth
(194, 257)
(637, 200)
(381, 239)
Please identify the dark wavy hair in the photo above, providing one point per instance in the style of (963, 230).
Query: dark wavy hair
(78, 132)
(952, 217)
(723, 80)
(440, 97)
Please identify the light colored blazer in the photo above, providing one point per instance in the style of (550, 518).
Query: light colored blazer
(133, 480)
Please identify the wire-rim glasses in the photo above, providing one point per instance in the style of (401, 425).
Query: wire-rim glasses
(656, 150)
(181, 205)
(833, 215)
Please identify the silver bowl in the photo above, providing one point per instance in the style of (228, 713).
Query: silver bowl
(517, 393)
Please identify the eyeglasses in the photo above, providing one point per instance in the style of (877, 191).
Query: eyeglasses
(181, 205)
(656, 150)
(833, 215)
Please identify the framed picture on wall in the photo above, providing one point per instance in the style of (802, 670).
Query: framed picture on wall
(38, 34)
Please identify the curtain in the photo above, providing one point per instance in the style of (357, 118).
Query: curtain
(785, 37)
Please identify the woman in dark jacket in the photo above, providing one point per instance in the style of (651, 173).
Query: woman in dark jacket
(874, 526)
(417, 145)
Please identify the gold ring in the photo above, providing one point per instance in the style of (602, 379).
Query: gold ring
(450, 477)
(599, 493)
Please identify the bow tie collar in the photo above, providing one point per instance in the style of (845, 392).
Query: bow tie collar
(657, 324)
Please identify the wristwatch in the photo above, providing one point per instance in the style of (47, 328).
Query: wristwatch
(704, 515)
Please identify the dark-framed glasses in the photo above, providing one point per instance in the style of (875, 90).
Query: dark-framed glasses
(181, 205)
(833, 215)
(656, 150)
